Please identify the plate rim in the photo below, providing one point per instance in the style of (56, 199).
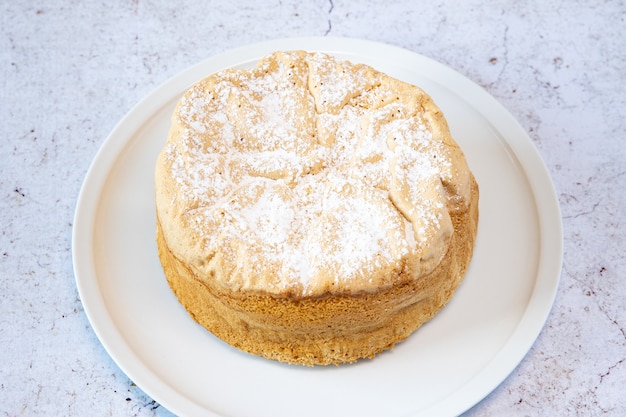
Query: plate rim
(536, 173)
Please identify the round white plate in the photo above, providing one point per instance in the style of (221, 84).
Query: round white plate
(445, 368)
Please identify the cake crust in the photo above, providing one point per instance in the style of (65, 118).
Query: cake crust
(312, 210)
(324, 330)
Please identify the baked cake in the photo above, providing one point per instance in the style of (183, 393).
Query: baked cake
(312, 210)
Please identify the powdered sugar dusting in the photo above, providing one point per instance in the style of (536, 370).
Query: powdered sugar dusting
(310, 171)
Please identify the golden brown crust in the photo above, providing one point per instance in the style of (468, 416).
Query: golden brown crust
(324, 330)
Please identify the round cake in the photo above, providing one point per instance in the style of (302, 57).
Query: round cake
(312, 210)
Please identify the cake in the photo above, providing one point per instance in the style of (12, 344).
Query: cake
(312, 210)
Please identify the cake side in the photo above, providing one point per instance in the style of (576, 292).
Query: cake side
(329, 329)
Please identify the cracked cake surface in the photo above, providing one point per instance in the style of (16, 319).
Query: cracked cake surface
(311, 179)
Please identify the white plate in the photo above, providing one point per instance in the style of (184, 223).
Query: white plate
(445, 368)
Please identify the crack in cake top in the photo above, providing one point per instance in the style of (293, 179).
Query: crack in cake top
(307, 175)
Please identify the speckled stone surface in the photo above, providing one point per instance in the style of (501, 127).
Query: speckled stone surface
(70, 70)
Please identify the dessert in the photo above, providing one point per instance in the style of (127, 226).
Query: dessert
(312, 210)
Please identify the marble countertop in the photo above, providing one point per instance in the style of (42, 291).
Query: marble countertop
(71, 70)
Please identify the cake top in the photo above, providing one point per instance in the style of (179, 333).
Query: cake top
(307, 175)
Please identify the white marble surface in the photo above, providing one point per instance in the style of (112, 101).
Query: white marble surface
(69, 71)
